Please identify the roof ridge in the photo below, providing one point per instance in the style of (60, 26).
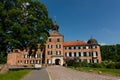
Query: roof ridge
(75, 41)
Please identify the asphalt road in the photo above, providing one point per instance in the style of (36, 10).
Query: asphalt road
(37, 75)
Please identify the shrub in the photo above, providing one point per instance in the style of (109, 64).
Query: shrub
(111, 65)
(96, 65)
(117, 65)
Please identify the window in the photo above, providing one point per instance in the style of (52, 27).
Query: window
(95, 54)
(84, 47)
(31, 62)
(41, 56)
(37, 61)
(81, 53)
(88, 60)
(81, 47)
(49, 46)
(94, 47)
(72, 47)
(26, 62)
(87, 53)
(18, 61)
(69, 47)
(25, 56)
(87, 47)
(67, 54)
(36, 55)
(50, 40)
(75, 54)
(58, 52)
(70, 54)
(76, 47)
(95, 61)
(58, 40)
(65, 48)
(30, 56)
(58, 46)
(48, 61)
(49, 52)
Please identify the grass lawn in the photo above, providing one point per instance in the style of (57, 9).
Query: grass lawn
(114, 72)
(14, 75)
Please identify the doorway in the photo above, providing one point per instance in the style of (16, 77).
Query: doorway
(57, 62)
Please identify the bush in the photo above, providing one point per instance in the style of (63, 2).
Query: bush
(111, 65)
(96, 65)
(117, 65)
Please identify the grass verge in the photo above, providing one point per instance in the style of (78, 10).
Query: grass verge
(106, 71)
(14, 75)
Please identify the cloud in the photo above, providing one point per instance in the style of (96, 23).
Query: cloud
(102, 44)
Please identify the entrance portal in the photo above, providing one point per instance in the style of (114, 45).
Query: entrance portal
(57, 62)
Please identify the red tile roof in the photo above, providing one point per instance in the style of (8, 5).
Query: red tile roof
(74, 43)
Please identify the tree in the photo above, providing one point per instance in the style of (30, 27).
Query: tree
(23, 23)
(111, 53)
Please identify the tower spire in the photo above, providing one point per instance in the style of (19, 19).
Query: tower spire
(55, 18)
(55, 25)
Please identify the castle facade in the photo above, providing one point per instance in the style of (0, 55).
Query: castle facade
(57, 51)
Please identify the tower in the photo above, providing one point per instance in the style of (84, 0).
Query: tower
(54, 47)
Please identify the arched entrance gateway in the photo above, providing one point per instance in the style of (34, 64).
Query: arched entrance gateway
(57, 62)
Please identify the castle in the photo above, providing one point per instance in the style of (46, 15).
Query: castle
(57, 51)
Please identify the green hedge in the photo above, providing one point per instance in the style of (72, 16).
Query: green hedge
(110, 65)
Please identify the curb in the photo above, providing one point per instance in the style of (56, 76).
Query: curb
(48, 74)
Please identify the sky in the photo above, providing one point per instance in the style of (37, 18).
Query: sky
(83, 19)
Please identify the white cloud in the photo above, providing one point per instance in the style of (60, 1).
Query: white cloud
(102, 44)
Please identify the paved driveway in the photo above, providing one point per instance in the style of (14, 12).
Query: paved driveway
(62, 73)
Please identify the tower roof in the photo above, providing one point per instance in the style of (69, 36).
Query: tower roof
(92, 41)
(55, 33)
(55, 26)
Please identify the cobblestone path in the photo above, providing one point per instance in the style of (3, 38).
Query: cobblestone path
(62, 73)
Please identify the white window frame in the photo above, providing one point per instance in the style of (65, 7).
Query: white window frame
(88, 60)
(87, 47)
(49, 46)
(88, 54)
(25, 56)
(77, 54)
(81, 47)
(67, 54)
(82, 54)
(36, 55)
(94, 54)
(95, 60)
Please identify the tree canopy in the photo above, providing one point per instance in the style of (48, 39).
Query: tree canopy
(23, 23)
(111, 53)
